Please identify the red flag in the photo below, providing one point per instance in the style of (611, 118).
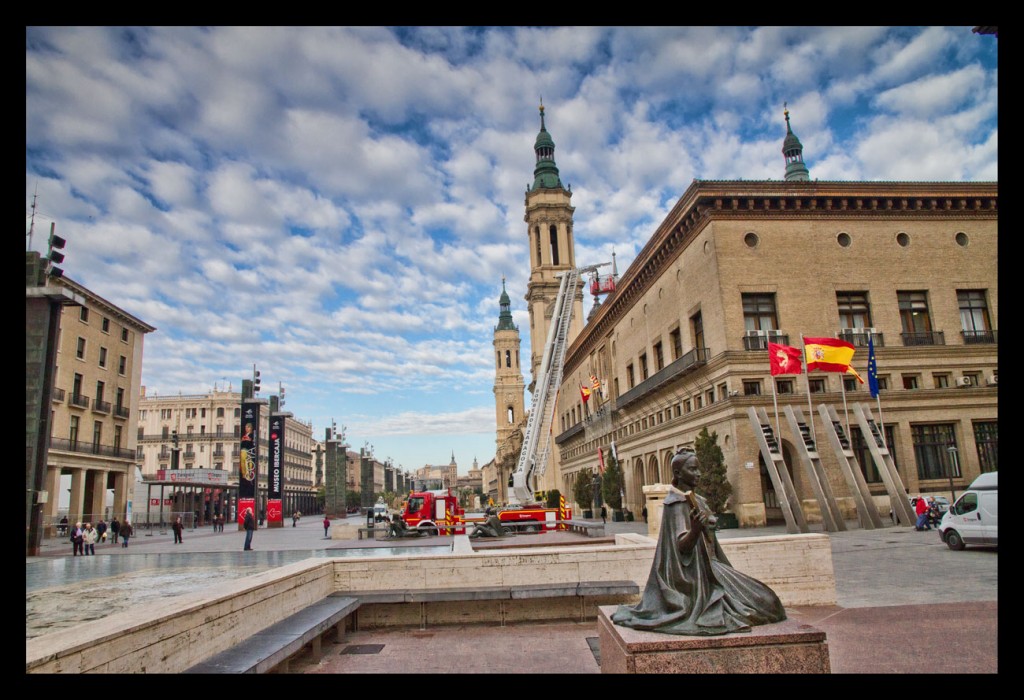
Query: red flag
(600, 459)
(585, 393)
(784, 359)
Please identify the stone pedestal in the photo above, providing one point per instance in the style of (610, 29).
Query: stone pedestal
(783, 647)
(654, 499)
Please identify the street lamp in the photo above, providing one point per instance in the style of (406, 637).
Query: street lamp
(953, 466)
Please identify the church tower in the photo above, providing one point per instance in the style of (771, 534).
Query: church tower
(552, 249)
(509, 389)
(793, 151)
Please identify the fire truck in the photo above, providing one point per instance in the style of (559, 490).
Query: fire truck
(434, 512)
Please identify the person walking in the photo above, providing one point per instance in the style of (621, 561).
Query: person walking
(178, 528)
(644, 513)
(62, 528)
(921, 508)
(249, 523)
(101, 531)
(327, 524)
(76, 539)
(604, 515)
(126, 532)
(115, 525)
(89, 540)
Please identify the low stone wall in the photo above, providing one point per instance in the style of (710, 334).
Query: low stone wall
(172, 635)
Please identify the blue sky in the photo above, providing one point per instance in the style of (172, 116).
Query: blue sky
(338, 205)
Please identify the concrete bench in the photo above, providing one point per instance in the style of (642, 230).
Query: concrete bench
(371, 532)
(585, 527)
(274, 645)
(425, 596)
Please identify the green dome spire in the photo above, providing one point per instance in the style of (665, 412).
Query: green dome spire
(545, 175)
(505, 317)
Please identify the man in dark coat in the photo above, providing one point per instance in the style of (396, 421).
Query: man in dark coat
(249, 523)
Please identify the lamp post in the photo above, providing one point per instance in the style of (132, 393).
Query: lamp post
(953, 466)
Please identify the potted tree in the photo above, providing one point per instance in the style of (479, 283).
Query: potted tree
(583, 492)
(713, 482)
(611, 488)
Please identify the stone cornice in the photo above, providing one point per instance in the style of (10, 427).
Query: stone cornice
(706, 200)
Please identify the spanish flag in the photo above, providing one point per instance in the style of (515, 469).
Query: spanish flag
(585, 393)
(828, 355)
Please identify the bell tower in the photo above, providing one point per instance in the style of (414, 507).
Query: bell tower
(508, 383)
(552, 249)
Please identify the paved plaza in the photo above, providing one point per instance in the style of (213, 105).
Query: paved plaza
(905, 602)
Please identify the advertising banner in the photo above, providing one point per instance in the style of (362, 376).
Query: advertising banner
(276, 476)
(248, 459)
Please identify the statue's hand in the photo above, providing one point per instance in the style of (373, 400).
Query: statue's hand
(699, 519)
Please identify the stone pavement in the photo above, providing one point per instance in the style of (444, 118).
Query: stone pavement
(905, 602)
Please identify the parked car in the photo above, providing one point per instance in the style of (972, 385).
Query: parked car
(974, 518)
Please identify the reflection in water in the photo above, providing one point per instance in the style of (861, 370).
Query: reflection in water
(67, 591)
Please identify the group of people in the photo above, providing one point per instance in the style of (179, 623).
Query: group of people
(84, 537)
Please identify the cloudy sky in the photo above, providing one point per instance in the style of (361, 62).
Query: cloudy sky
(338, 206)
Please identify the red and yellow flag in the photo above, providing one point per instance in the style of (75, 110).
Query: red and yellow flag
(585, 393)
(828, 355)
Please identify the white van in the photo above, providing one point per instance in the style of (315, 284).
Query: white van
(974, 517)
(380, 512)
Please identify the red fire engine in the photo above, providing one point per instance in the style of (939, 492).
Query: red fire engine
(436, 512)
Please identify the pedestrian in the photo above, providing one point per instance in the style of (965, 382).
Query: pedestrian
(604, 515)
(295, 518)
(89, 540)
(249, 524)
(126, 532)
(921, 508)
(76, 539)
(178, 528)
(644, 513)
(101, 531)
(115, 525)
(327, 524)
(218, 523)
(934, 516)
(62, 529)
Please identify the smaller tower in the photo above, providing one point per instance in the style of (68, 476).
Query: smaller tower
(509, 390)
(793, 151)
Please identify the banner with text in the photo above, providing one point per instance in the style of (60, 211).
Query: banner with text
(276, 446)
(248, 459)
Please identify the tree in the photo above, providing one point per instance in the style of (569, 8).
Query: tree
(713, 482)
(583, 490)
(611, 484)
(553, 498)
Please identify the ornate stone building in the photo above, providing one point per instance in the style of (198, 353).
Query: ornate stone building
(736, 264)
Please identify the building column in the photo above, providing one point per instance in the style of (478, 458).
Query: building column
(50, 511)
(120, 493)
(77, 495)
(95, 492)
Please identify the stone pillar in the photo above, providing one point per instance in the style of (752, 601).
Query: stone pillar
(96, 495)
(52, 505)
(120, 495)
(77, 495)
(654, 496)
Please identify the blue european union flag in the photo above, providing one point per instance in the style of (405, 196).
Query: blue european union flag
(872, 369)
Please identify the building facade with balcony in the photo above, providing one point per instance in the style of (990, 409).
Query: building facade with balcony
(94, 405)
(681, 345)
(208, 428)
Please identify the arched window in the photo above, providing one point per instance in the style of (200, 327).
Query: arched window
(508, 359)
(554, 245)
(536, 238)
(511, 416)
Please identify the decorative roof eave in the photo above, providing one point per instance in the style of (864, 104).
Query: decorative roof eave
(115, 311)
(723, 199)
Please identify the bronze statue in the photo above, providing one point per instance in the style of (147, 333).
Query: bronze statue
(692, 588)
(490, 527)
(398, 529)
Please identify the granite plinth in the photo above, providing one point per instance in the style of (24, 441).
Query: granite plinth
(783, 647)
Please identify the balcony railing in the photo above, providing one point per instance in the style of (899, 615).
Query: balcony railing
(90, 448)
(930, 338)
(858, 337)
(980, 337)
(760, 342)
(100, 406)
(120, 411)
(57, 395)
(698, 357)
(80, 400)
(189, 455)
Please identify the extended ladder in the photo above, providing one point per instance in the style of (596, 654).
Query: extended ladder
(806, 445)
(886, 465)
(536, 437)
(774, 462)
(867, 513)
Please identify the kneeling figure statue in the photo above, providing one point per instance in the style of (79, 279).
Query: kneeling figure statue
(490, 527)
(692, 588)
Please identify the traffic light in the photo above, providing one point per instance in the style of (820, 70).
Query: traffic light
(281, 393)
(56, 244)
(255, 381)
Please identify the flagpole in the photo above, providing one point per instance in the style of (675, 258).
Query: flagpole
(775, 401)
(878, 402)
(846, 411)
(803, 361)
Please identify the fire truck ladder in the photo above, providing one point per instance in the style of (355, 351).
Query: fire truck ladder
(867, 513)
(771, 452)
(886, 466)
(536, 438)
(831, 517)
